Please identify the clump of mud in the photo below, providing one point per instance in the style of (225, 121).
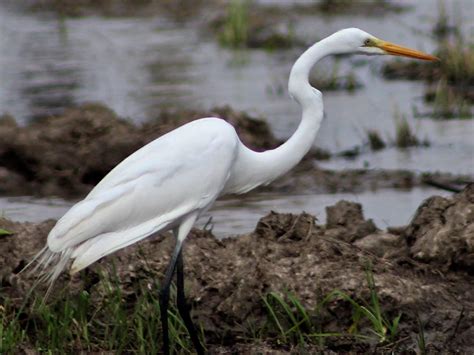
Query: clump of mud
(442, 232)
(308, 177)
(68, 154)
(423, 271)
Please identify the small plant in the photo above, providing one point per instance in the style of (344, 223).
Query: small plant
(451, 80)
(404, 136)
(448, 104)
(243, 28)
(385, 329)
(116, 321)
(382, 327)
(332, 80)
(292, 324)
(236, 26)
(420, 340)
(375, 141)
(442, 27)
(5, 232)
(11, 333)
(291, 321)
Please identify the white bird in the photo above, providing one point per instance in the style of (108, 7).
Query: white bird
(169, 183)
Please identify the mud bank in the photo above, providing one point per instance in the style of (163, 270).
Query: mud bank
(424, 272)
(69, 154)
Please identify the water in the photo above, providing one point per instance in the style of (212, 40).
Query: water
(239, 215)
(31, 209)
(138, 66)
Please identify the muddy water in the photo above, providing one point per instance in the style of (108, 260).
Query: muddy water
(240, 215)
(385, 207)
(138, 66)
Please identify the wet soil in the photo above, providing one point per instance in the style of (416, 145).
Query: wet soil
(424, 271)
(67, 155)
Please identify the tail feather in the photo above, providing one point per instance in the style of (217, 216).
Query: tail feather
(36, 257)
(83, 220)
(107, 243)
(49, 265)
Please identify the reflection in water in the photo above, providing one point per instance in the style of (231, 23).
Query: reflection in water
(51, 75)
(385, 207)
(38, 72)
(240, 215)
(134, 66)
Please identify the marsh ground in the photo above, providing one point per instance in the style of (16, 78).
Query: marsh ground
(292, 284)
(295, 282)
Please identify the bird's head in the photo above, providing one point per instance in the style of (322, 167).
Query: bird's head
(354, 40)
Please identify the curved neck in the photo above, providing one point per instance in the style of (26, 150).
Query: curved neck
(252, 168)
(298, 84)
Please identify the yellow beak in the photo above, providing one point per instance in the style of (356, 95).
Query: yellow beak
(395, 49)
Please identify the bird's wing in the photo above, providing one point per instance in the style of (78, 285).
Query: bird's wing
(179, 173)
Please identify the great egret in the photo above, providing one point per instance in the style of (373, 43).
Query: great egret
(170, 182)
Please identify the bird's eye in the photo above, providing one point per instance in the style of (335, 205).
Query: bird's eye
(367, 42)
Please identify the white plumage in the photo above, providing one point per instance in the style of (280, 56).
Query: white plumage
(154, 189)
(171, 181)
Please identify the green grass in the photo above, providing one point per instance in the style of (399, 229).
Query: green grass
(420, 340)
(11, 332)
(125, 318)
(404, 136)
(113, 321)
(448, 104)
(236, 24)
(450, 81)
(289, 322)
(246, 25)
(5, 232)
(452, 94)
(384, 329)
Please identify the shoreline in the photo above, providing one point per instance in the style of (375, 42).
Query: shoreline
(422, 270)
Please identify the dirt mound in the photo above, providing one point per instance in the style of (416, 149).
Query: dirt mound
(226, 279)
(442, 231)
(69, 154)
(308, 177)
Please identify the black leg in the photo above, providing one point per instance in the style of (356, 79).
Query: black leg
(183, 307)
(165, 296)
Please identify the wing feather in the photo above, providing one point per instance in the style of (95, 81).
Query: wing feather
(107, 243)
(181, 172)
